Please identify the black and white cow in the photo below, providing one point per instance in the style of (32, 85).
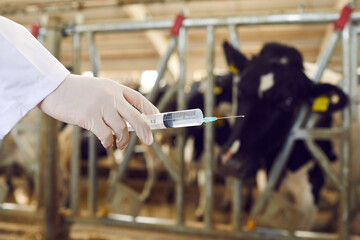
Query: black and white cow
(273, 86)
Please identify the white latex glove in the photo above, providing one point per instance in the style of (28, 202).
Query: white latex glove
(100, 105)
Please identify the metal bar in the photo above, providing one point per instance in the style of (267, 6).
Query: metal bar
(162, 67)
(94, 56)
(319, 133)
(356, 29)
(209, 128)
(345, 191)
(322, 160)
(345, 165)
(326, 55)
(163, 158)
(120, 27)
(318, 154)
(40, 175)
(294, 18)
(354, 76)
(52, 216)
(75, 156)
(92, 152)
(237, 205)
(160, 225)
(346, 66)
(38, 192)
(121, 169)
(180, 140)
(237, 186)
(167, 98)
(234, 38)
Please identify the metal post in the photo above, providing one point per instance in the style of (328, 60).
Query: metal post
(237, 186)
(75, 156)
(345, 165)
(209, 128)
(39, 176)
(52, 216)
(180, 140)
(92, 161)
(40, 155)
(354, 76)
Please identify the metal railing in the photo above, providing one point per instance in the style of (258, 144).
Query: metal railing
(307, 134)
(349, 38)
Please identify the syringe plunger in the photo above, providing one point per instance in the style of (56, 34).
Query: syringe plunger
(184, 118)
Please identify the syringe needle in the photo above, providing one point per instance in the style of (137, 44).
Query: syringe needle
(238, 116)
(212, 119)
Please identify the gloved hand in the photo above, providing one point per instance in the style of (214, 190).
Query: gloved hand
(100, 105)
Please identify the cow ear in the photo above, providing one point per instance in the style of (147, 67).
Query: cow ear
(236, 61)
(327, 98)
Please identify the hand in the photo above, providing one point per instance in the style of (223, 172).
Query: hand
(100, 105)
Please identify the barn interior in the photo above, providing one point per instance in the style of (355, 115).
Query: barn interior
(58, 182)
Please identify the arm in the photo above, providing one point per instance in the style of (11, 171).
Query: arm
(31, 76)
(28, 73)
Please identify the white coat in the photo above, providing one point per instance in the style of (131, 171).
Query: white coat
(28, 73)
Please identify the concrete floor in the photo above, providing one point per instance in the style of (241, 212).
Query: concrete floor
(157, 206)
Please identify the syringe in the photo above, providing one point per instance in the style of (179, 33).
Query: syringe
(177, 119)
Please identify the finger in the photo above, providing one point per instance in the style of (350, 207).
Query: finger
(118, 126)
(135, 119)
(139, 101)
(120, 145)
(104, 133)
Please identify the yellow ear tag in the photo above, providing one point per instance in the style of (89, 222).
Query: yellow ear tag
(233, 69)
(321, 104)
(217, 90)
(250, 225)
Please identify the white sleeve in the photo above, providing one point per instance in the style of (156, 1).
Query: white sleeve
(28, 73)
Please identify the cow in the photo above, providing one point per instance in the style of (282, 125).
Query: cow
(272, 89)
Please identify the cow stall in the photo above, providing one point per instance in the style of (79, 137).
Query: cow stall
(348, 35)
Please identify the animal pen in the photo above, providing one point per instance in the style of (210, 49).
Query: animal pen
(52, 218)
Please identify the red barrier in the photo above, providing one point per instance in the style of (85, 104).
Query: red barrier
(343, 18)
(35, 28)
(174, 30)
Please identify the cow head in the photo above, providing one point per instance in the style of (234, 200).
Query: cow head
(272, 88)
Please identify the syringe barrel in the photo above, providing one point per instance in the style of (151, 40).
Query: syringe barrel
(177, 119)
